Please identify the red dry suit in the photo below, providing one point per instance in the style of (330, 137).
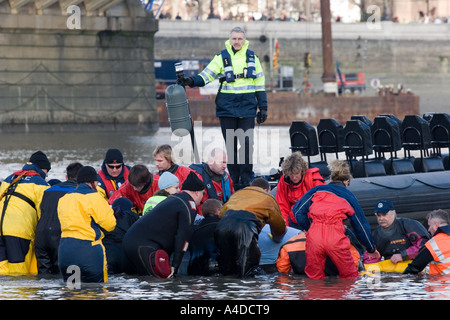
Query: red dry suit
(327, 207)
(288, 194)
(138, 199)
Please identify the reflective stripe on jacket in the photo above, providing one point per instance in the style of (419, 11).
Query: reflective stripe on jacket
(241, 97)
(152, 202)
(439, 247)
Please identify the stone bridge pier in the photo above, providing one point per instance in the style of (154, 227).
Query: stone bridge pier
(87, 69)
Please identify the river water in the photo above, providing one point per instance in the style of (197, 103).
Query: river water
(271, 143)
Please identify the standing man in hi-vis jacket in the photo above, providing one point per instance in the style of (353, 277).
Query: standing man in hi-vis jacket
(241, 93)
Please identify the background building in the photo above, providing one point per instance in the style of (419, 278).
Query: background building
(403, 11)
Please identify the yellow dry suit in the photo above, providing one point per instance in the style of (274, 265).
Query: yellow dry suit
(84, 214)
(21, 195)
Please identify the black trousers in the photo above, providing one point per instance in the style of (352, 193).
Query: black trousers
(240, 160)
(236, 238)
(46, 246)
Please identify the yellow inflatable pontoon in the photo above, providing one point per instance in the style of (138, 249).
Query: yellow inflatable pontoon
(387, 266)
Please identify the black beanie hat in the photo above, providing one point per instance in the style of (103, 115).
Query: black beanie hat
(193, 183)
(113, 156)
(39, 158)
(86, 174)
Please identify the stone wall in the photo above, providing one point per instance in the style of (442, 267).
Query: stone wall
(285, 107)
(100, 76)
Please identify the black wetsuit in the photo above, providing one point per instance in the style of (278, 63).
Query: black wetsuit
(202, 249)
(115, 256)
(236, 238)
(168, 227)
(48, 229)
(398, 237)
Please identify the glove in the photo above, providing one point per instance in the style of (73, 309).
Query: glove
(186, 82)
(261, 116)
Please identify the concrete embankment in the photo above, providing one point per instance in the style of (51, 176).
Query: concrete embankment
(98, 77)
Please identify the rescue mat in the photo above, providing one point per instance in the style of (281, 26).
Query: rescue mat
(160, 263)
(386, 266)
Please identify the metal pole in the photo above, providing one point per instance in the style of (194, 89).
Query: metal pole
(328, 76)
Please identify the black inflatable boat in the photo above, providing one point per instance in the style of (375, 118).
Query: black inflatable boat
(416, 183)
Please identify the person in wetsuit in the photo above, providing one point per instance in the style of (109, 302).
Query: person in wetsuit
(397, 239)
(168, 227)
(242, 218)
(202, 249)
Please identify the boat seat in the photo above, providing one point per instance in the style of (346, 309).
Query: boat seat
(446, 161)
(368, 168)
(399, 166)
(303, 138)
(429, 164)
(331, 137)
(323, 168)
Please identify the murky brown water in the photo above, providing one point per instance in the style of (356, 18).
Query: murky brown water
(89, 148)
(265, 287)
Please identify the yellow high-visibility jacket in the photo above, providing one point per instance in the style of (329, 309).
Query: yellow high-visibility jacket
(242, 97)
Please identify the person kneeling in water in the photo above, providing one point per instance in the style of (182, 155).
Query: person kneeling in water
(166, 230)
(84, 214)
(321, 211)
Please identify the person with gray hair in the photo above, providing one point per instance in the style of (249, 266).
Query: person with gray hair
(213, 173)
(397, 238)
(436, 251)
(241, 93)
(238, 30)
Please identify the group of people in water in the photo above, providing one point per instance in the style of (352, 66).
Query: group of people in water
(125, 219)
